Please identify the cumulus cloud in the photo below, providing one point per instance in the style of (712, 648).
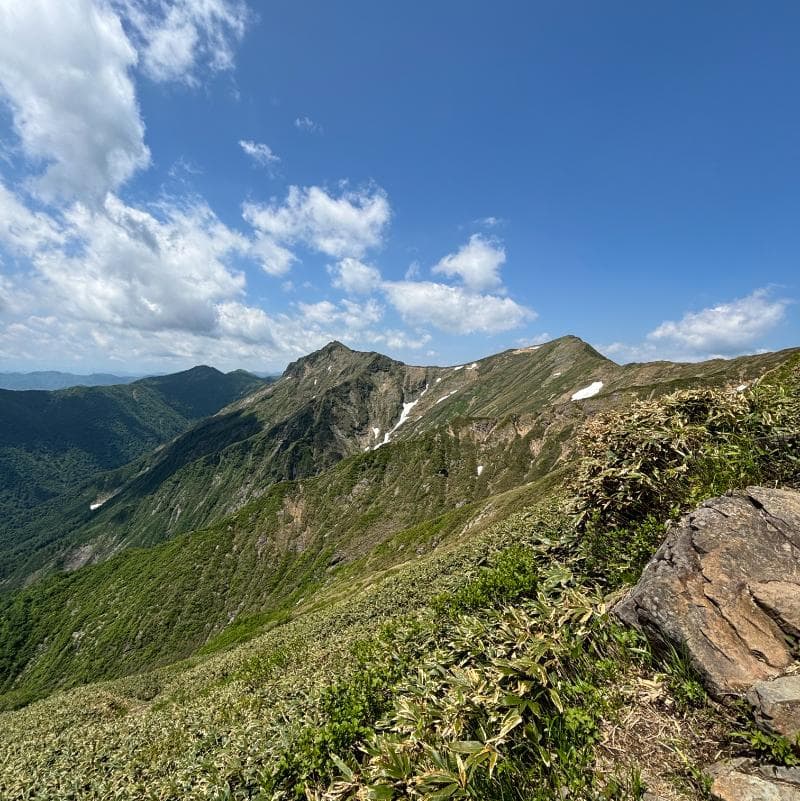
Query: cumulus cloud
(131, 268)
(354, 277)
(23, 230)
(454, 309)
(727, 328)
(260, 153)
(65, 74)
(274, 259)
(177, 38)
(347, 225)
(477, 264)
(120, 265)
(402, 340)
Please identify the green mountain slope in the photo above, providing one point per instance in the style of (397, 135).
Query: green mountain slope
(52, 442)
(336, 403)
(392, 651)
(450, 462)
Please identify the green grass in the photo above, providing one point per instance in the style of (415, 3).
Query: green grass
(391, 628)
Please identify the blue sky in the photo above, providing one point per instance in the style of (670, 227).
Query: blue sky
(208, 181)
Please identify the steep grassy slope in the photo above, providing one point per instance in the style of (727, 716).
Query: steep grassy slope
(468, 657)
(52, 442)
(331, 405)
(262, 559)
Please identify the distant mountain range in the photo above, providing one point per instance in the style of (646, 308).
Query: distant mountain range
(54, 379)
(54, 441)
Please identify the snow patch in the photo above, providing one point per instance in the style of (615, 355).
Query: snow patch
(480, 469)
(438, 379)
(460, 367)
(97, 504)
(406, 411)
(588, 392)
(473, 366)
(445, 397)
(741, 388)
(376, 432)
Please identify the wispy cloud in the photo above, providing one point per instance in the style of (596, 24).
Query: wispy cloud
(178, 39)
(260, 153)
(307, 125)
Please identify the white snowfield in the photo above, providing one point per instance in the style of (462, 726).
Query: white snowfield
(460, 367)
(97, 504)
(588, 392)
(473, 366)
(445, 397)
(480, 469)
(376, 432)
(406, 411)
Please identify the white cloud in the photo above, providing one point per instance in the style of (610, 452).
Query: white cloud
(240, 322)
(134, 269)
(260, 153)
(728, 328)
(23, 230)
(347, 225)
(454, 309)
(722, 331)
(413, 271)
(477, 263)
(275, 260)
(490, 222)
(402, 340)
(354, 277)
(176, 38)
(305, 123)
(122, 266)
(65, 73)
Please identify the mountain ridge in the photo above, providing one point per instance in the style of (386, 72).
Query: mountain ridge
(335, 403)
(52, 442)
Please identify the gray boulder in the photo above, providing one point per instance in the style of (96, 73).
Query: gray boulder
(743, 780)
(777, 704)
(725, 588)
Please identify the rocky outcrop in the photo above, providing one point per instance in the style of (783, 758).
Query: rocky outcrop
(743, 780)
(725, 588)
(777, 704)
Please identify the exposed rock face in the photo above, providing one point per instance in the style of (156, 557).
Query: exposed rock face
(777, 704)
(725, 587)
(742, 780)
